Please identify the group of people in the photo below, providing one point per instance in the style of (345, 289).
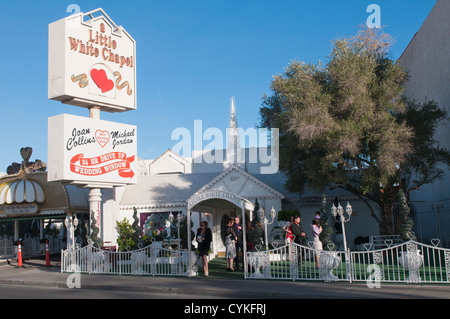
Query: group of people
(234, 241)
(295, 233)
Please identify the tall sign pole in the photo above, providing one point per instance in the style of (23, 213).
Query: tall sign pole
(92, 64)
(95, 194)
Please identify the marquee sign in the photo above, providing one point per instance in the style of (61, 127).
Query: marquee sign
(92, 63)
(21, 209)
(219, 194)
(88, 151)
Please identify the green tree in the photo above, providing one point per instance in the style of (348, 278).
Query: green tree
(137, 230)
(94, 232)
(347, 124)
(423, 166)
(125, 233)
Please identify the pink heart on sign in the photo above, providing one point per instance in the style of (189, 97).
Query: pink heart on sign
(102, 137)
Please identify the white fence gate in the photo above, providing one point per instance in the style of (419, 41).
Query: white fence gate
(410, 262)
(151, 260)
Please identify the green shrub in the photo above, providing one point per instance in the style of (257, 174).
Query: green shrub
(126, 232)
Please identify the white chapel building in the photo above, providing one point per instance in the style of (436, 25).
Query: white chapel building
(175, 184)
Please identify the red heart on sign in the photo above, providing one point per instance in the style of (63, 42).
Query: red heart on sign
(101, 79)
(102, 137)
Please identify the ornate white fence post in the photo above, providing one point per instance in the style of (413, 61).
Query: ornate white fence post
(293, 260)
(411, 260)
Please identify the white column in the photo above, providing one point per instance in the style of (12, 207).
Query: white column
(244, 241)
(189, 240)
(95, 200)
(95, 194)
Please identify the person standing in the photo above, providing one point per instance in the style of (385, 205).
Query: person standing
(287, 229)
(248, 234)
(316, 230)
(204, 239)
(297, 231)
(230, 244)
(237, 228)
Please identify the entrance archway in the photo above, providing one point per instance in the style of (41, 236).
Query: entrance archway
(218, 202)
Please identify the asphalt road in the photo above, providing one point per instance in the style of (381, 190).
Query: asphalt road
(30, 292)
(96, 302)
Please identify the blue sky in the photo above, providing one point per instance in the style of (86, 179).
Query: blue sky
(192, 56)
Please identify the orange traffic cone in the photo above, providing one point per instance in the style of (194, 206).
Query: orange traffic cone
(47, 254)
(19, 256)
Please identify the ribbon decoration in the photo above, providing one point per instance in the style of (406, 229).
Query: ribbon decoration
(124, 84)
(81, 79)
(86, 165)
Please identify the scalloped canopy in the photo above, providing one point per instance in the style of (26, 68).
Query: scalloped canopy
(21, 191)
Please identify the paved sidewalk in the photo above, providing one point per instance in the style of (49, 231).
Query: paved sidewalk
(35, 273)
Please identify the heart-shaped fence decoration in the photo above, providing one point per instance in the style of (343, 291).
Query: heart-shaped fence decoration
(367, 246)
(258, 247)
(388, 242)
(311, 244)
(435, 241)
(331, 246)
(275, 244)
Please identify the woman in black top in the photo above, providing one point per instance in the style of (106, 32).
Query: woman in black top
(204, 239)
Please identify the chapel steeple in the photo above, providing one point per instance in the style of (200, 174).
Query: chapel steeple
(234, 151)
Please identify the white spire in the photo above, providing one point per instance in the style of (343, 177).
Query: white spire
(234, 148)
(233, 118)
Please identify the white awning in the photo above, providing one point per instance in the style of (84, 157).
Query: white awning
(21, 191)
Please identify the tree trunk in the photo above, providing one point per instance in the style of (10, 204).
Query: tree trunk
(387, 199)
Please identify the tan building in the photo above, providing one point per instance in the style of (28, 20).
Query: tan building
(427, 60)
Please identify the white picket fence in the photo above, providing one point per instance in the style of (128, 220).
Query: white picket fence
(152, 260)
(410, 262)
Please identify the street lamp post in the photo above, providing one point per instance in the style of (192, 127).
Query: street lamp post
(180, 219)
(262, 215)
(339, 211)
(71, 225)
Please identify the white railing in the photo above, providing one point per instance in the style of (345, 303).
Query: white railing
(410, 262)
(297, 262)
(152, 260)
